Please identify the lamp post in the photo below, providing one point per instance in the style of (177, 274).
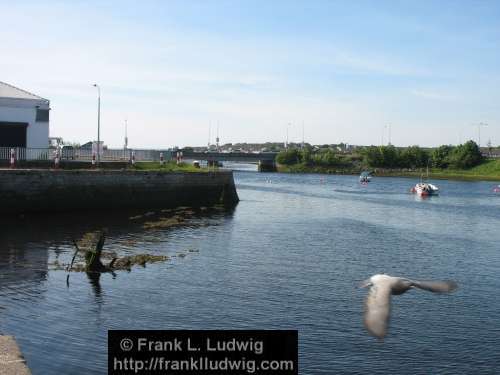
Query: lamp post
(98, 123)
(303, 143)
(388, 128)
(479, 132)
(286, 143)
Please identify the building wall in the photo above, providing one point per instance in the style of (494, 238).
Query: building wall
(24, 110)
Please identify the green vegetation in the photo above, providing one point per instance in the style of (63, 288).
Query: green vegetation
(324, 160)
(170, 166)
(462, 161)
(487, 170)
(458, 157)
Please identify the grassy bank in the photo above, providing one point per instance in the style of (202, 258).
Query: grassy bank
(170, 166)
(489, 170)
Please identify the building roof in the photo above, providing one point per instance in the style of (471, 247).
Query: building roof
(9, 91)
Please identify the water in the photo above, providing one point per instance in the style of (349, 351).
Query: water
(289, 256)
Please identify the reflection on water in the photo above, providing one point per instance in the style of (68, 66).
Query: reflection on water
(289, 256)
(94, 278)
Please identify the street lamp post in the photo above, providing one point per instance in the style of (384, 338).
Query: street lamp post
(98, 123)
(286, 143)
(479, 132)
(388, 128)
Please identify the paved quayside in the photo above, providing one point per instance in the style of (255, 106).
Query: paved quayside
(12, 361)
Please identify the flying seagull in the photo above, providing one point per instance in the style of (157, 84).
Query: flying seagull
(378, 300)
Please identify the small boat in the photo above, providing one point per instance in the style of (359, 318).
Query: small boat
(425, 189)
(496, 189)
(365, 177)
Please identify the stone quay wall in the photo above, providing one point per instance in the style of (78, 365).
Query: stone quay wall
(36, 190)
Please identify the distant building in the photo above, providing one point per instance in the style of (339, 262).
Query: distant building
(24, 118)
(55, 142)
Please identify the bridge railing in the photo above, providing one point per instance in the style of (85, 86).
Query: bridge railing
(231, 156)
(22, 153)
(83, 154)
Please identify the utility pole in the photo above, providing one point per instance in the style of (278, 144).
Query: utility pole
(125, 144)
(209, 130)
(98, 123)
(303, 144)
(479, 132)
(286, 143)
(217, 138)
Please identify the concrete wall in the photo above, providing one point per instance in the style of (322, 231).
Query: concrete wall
(74, 190)
(24, 110)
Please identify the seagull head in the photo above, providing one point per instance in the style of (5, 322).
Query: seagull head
(374, 280)
(365, 284)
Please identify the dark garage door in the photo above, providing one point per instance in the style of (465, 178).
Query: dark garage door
(13, 134)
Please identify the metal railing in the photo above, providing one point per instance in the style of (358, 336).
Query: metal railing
(83, 154)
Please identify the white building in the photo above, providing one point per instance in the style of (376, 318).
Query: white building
(24, 118)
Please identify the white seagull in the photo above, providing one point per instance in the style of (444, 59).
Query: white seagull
(378, 300)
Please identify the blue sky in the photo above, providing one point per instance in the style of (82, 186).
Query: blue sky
(344, 70)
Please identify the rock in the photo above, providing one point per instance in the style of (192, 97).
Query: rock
(164, 222)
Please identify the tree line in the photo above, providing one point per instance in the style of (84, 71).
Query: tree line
(463, 156)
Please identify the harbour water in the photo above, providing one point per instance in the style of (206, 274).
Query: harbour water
(289, 256)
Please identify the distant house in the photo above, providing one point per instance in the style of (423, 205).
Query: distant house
(24, 118)
(55, 142)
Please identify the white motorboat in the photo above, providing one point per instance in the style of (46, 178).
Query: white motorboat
(425, 189)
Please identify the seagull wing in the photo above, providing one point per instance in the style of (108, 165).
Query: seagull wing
(435, 286)
(378, 308)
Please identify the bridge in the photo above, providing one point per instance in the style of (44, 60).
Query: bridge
(265, 160)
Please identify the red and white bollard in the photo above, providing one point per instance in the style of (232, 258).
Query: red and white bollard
(93, 159)
(56, 159)
(12, 158)
(162, 161)
(132, 160)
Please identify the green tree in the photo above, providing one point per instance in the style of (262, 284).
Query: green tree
(413, 157)
(372, 156)
(326, 158)
(306, 156)
(288, 157)
(466, 156)
(390, 156)
(440, 156)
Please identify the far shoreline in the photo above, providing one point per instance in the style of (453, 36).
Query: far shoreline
(451, 175)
